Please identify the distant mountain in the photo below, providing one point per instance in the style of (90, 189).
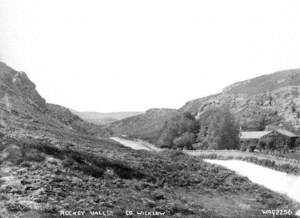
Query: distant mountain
(105, 118)
(145, 126)
(272, 99)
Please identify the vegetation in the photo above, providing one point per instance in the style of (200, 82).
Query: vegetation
(223, 132)
(179, 132)
(218, 129)
(104, 173)
(297, 143)
(147, 126)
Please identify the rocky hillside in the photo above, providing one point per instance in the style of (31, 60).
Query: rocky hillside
(21, 105)
(65, 116)
(272, 99)
(146, 126)
(18, 95)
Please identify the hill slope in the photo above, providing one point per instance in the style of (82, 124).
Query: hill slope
(21, 106)
(266, 100)
(146, 126)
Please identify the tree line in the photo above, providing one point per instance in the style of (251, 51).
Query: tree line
(216, 128)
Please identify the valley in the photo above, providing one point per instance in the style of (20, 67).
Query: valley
(53, 162)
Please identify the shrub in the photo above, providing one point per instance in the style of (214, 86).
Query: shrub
(16, 207)
(262, 144)
(33, 155)
(270, 144)
(200, 145)
(185, 140)
(252, 147)
(297, 143)
(243, 147)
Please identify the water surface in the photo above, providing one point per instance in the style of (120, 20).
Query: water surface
(274, 180)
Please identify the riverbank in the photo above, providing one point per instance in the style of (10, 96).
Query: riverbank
(283, 164)
(286, 165)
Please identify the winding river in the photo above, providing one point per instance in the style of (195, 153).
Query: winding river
(137, 144)
(280, 182)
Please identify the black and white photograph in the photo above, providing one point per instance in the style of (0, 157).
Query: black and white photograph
(150, 108)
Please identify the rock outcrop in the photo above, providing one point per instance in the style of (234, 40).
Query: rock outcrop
(22, 107)
(17, 92)
(267, 100)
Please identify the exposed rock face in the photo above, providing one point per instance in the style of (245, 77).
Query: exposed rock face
(22, 107)
(270, 99)
(18, 92)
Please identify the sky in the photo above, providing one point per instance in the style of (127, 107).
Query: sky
(93, 55)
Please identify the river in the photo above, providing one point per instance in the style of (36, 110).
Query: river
(137, 144)
(280, 182)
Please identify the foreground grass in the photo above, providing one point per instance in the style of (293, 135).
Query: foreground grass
(56, 170)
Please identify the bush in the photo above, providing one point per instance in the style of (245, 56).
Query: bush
(243, 147)
(252, 147)
(270, 144)
(184, 141)
(262, 144)
(200, 145)
(16, 207)
(297, 143)
(33, 155)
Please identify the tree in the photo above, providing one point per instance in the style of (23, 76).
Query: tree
(223, 130)
(184, 141)
(179, 131)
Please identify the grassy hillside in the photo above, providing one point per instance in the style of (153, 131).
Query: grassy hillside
(266, 83)
(146, 126)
